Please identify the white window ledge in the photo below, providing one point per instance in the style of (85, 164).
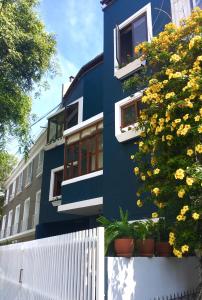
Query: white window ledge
(21, 235)
(129, 69)
(83, 124)
(83, 208)
(128, 135)
(83, 177)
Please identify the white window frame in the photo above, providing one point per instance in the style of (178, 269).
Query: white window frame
(13, 190)
(25, 219)
(29, 174)
(40, 163)
(3, 226)
(128, 134)
(123, 72)
(7, 196)
(35, 220)
(9, 223)
(52, 180)
(20, 183)
(16, 219)
(75, 129)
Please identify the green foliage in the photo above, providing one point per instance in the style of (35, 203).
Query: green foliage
(168, 158)
(26, 55)
(116, 229)
(145, 229)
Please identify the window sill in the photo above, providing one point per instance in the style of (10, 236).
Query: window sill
(56, 201)
(83, 177)
(129, 69)
(128, 135)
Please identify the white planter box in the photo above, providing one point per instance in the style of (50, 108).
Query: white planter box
(141, 278)
(129, 68)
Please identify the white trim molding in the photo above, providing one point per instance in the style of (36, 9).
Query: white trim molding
(180, 9)
(83, 177)
(55, 144)
(83, 124)
(128, 134)
(83, 208)
(130, 68)
(28, 233)
(52, 179)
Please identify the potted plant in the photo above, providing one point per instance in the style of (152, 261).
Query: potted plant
(145, 233)
(163, 248)
(121, 232)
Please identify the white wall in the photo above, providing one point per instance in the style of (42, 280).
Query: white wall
(141, 278)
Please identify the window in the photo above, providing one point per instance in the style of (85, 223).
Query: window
(10, 216)
(127, 35)
(55, 183)
(182, 9)
(3, 227)
(40, 162)
(84, 151)
(16, 219)
(19, 185)
(37, 209)
(10, 192)
(130, 113)
(127, 112)
(29, 174)
(6, 196)
(66, 119)
(24, 225)
(12, 195)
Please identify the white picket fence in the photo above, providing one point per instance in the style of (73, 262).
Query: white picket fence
(69, 267)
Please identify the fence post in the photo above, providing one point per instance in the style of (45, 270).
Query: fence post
(100, 264)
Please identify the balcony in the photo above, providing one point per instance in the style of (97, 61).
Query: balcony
(24, 225)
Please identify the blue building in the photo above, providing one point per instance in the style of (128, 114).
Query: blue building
(87, 167)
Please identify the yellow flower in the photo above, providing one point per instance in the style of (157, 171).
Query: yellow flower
(200, 111)
(175, 58)
(184, 209)
(172, 235)
(170, 95)
(156, 171)
(136, 170)
(143, 177)
(200, 129)
(149, 173)
(185, 248)
(195, 216)
(154, 215)
(138, 194)
(198, 148)
(197, 118)
(177, 253)
(190, 152)
(186, 117)
(189, 181)
(181, 193)
(132, 157)
(179, 217)
(194, 40)
(177, 121)
(156, 191)
(169, 137)
(179, 174)
(139, 203)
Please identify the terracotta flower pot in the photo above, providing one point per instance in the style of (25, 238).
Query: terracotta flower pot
(146, 247)
(163, 249)
(124, 246)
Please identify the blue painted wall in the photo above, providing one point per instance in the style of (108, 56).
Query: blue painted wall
(51, 222)
(120, 185)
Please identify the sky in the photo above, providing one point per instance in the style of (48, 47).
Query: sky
(78, 29)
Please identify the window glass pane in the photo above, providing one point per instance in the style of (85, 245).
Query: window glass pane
(76, 160)
(100, 160)
(126, 44)
(57, 183)
(52, 131)
(93, 145)
(84, 160)
(71, 116)
(73, 138)
(92, 163)
(128, 115)
(56, 127)
(140, 33)
(100, 141)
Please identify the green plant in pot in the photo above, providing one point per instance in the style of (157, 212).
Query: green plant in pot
(121, 233)
(163, 248)
(145, 231)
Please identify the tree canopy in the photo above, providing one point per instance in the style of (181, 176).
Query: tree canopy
(168, 161)
(26, 55)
